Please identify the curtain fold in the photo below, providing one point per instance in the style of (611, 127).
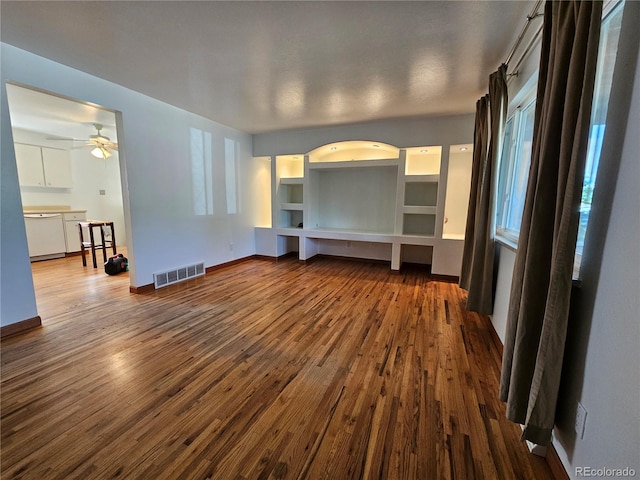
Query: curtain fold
(480, 150)
(478, 255)
(542, 277)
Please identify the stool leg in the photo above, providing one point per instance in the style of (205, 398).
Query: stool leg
(93, 247)
(104, 246)
(113, 238)
(84, 255)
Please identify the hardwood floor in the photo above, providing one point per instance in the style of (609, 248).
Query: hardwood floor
(332, 370)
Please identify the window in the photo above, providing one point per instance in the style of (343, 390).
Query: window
(516, 150)
(607, 50)
(514, 169)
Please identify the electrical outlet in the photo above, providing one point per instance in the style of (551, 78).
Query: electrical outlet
(103, 192)
(581, 419)
(231, 247)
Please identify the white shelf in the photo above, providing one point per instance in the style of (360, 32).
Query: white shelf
(354, 164)
(352, 235)
(291, 206)
(356, 236)
(290, 231)
(419, 210)
(291, 181)
(421, 178)
(453, 236)
(422, 240)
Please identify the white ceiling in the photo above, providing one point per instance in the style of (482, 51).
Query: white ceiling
(55, 116)
(264, 66)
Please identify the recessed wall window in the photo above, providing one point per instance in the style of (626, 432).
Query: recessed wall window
(230, 175)
(201, 172)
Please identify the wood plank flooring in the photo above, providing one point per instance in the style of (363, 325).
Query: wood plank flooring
(332, 370)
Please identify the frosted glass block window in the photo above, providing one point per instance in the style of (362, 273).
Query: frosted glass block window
(230, 175)
(201, 172)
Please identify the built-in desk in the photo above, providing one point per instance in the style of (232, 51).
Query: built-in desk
(446, 252)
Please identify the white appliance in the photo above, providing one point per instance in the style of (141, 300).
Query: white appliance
(45, 235)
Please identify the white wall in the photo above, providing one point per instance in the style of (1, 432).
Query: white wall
(600, 368)
(154, 141)
(415, 132)
(17, 297)
(506, 262)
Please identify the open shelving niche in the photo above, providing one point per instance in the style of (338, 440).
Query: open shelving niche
(372, 200)
(288, 206)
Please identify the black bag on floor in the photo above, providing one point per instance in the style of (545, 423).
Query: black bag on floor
(116, 264)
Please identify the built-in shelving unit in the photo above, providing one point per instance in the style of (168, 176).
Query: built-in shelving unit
(289, 191)
(371, 200)
(420, 185)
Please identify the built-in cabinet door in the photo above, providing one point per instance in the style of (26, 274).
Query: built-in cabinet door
(29, 162)
(57, 168)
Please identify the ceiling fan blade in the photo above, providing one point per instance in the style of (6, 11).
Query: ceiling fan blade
(66, 139)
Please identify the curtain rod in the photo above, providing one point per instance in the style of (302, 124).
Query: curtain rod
(515, 71)
(534, 14)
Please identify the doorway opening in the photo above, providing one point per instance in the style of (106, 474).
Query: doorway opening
(69, 170)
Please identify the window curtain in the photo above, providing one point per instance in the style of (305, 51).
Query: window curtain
(478, 255)
(542, 277)
(480, 150)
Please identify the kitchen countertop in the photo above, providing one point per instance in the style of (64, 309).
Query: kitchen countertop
(50, 209)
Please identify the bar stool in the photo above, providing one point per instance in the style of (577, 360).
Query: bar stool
(108, 240)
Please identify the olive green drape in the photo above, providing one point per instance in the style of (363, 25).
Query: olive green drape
(480, 150)
(478, 255)
(542, 277)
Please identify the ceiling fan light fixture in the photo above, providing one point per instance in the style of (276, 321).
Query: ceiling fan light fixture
(100, 152)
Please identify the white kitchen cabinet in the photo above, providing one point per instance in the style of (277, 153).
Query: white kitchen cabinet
(57, 168)
(29, 162)
(43, 166)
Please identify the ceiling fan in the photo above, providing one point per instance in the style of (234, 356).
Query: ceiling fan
(101, 144)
